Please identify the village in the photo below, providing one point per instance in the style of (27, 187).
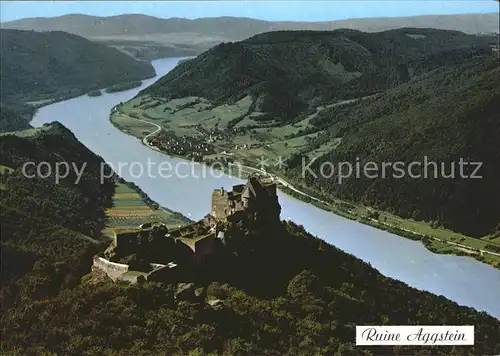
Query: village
(201, 146)
(196, 129)
(191, 147)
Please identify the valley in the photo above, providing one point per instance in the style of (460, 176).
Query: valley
(186, 192)
(232, 185)
(138, 122)
(231, 129)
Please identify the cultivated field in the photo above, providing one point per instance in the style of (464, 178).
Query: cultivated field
(440, 240)
(186, 116)
(129, 211)
(132, 127)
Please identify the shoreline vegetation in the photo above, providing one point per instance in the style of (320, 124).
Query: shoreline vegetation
(94, 93)
(33, 105)
(151, 203)
(123, 86)
(27, 110)
(435, 239)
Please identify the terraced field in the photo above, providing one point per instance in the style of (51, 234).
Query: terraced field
(248, 143)
(129, 211)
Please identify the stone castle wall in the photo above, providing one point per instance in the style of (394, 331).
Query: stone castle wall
(118, 271)
(113, 270)
(219, 204)
(106, 265)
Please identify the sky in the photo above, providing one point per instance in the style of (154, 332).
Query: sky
(265, 10)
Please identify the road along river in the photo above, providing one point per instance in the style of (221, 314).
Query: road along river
(188, 191)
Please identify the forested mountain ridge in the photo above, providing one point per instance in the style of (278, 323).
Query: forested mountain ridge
(49, 229)
(447, 115)
(287, 72)
(39, 66)
(54, 143)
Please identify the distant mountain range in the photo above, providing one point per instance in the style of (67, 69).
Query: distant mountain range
(150, 37)
(238, 27)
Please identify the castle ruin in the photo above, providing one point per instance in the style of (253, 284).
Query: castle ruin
(176, 252)
(258, 197)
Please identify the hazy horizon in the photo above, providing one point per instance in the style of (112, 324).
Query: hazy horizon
(262, 10)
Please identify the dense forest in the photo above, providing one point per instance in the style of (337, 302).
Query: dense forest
(448, 115)
(15, 117)
(288, 72)
(49, 230)
(54, 65)
(276, 290)
(73, 202)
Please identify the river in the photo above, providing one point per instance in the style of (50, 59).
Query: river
(461, 279)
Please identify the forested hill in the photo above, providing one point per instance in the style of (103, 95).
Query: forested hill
(448, 115)
(48, 228)
(74, 202)
(289, 71)
(302, 297)
(38, 66)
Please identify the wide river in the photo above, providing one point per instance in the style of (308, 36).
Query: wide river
(188, 190)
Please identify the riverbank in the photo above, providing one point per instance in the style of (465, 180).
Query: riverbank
(123, 86)
(37, 101)
(435, 239)
(94, 93)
